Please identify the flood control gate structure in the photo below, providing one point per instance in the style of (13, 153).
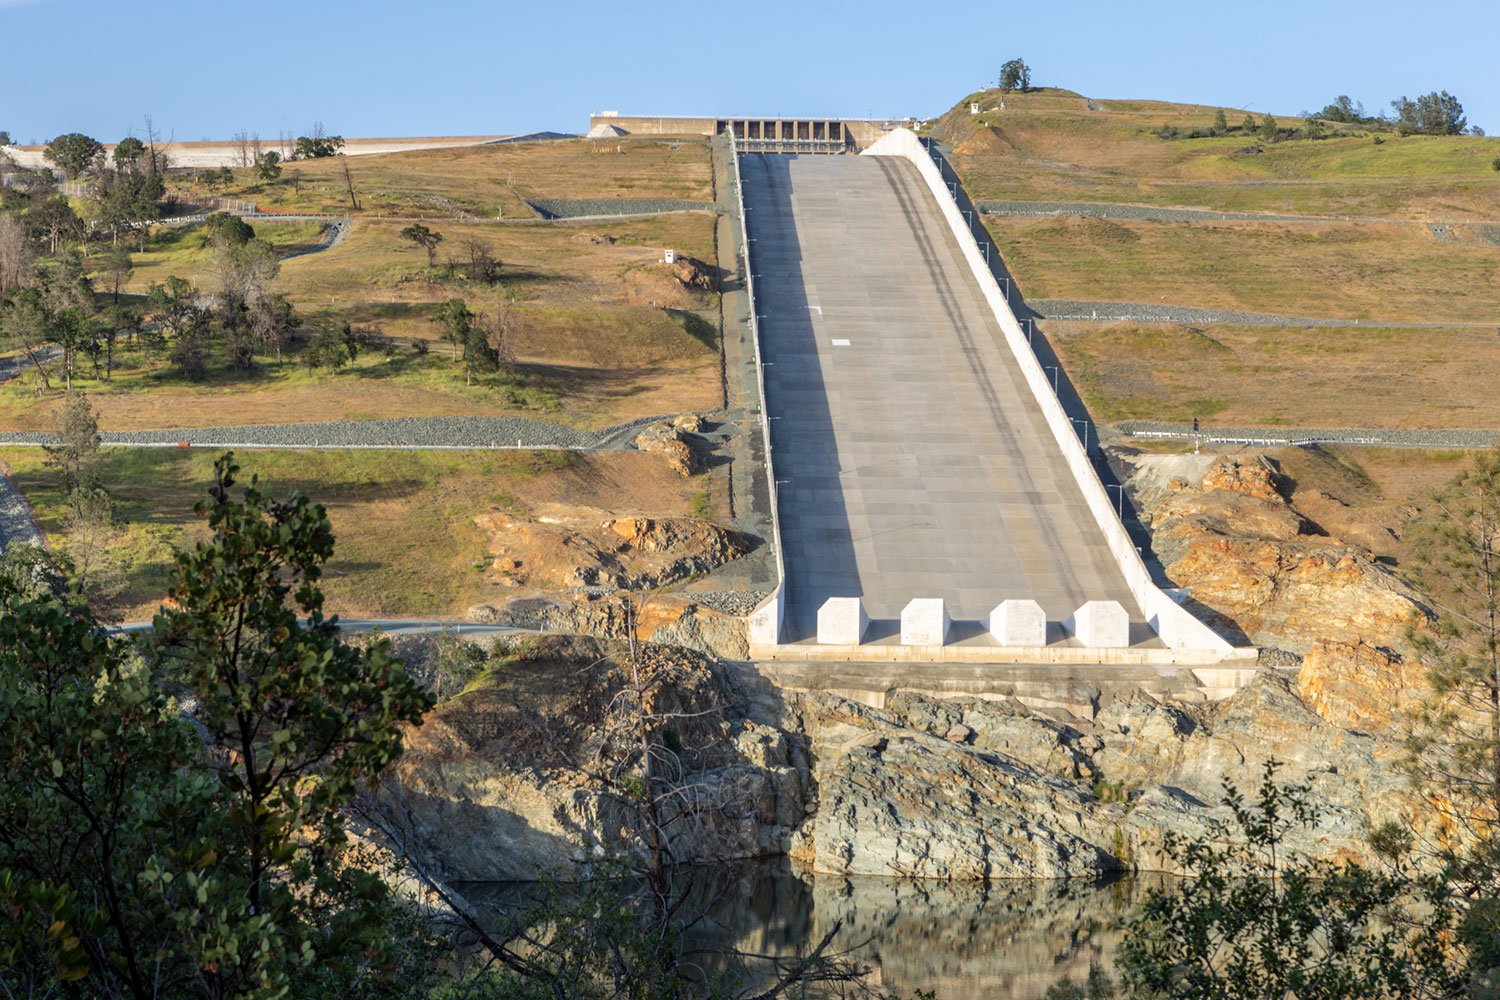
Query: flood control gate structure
(753, 134)
(932, 500)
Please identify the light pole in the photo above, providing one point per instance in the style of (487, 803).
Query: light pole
(1121, 508)
(1053, 369)
(1085, 424)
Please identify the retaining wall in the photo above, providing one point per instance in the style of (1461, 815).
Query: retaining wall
(1174, 624)
(764, 623)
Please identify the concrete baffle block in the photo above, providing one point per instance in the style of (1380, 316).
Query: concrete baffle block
(1018, 623)
(924, 622)
(1100, 624)
(842, 621)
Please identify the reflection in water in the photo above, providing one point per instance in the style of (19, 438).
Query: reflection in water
(1010, 939)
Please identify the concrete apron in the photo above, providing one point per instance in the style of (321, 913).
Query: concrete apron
(1078, 689)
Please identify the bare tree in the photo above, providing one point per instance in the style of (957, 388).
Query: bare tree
(348, 179)
(255, 149)
(241, 140)
(481, 264)
(17, 253)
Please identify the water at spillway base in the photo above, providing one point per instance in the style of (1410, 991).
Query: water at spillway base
(1005, 939)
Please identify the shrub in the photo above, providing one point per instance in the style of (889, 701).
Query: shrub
(1495, 163)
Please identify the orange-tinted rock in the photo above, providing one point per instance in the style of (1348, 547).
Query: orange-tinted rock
(1356, 685)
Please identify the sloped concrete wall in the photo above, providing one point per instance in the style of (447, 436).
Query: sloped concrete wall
(1176, 626)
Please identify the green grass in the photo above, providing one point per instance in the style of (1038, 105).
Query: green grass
(1047, 146)
(181, 251)
(149, 392)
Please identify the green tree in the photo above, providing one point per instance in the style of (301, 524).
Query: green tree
(73, 153)
(1437, 113)
(317, 147)
(25, 324)
(268, 165)
(147, 852)
(76, 454)
(127, 199)
(285, 701)
(457, 323)
(5, 138)
(174, 305)
(128, 153)
(1454, 747)
(480, 356)
(1270, 129)
(1221, 123)
(55, 219)
(1343, 109)
(1248, 125)
(118, 267)
(223, 228)
(1259, 922)
(1015, 75)
(328, 347)
(419, 235)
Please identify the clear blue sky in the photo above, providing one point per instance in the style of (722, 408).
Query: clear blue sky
(379, 67)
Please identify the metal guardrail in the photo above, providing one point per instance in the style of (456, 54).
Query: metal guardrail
(1176, 626)
(760, 382)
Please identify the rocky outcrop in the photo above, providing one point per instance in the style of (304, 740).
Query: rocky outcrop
(670, 619)
(670, 439)
(520, 775)
(534, 770)
(1270, 573)
(1360, 686)
(1022, 794)
(630, 553)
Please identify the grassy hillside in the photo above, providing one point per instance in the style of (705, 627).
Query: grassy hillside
(485, 181)
(1392, 273)
(406, 541)
(1048, 146)
(1389, 266)
(602, 331)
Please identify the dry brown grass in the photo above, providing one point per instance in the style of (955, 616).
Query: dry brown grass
(486, 181)
(406, 542)
(1247, 376)
(602, 331)
(1390, 273)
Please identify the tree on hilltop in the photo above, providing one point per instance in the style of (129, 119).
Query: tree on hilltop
(1015, 75)
(128, 152)
(73, 153)
(1343, 110)
(1437, 113)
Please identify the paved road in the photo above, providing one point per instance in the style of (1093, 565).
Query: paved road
(913, 460)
